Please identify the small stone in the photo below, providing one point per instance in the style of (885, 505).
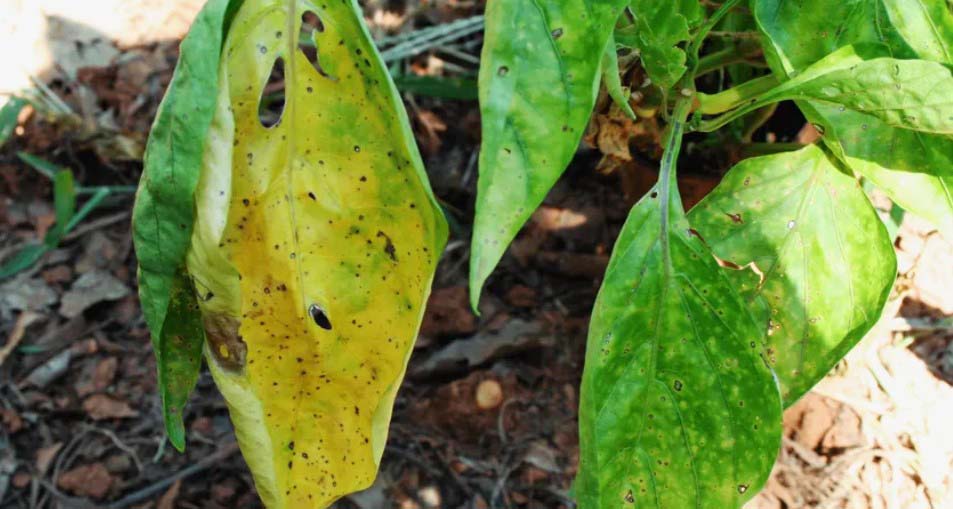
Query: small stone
(489, 394)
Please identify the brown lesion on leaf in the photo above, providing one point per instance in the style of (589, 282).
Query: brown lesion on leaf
(225, 343)
(388, 246)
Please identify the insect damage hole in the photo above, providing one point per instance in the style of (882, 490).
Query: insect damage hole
(311, 26)
(319, 316)
(271, 104)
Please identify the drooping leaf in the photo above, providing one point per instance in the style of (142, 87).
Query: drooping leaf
(539, 75)
(678, 407)
(314, 246)
(612, 80)
(907, 94)
(815, 259)
(181, 353)
(915, 169)
(657, 30)
(163, 213)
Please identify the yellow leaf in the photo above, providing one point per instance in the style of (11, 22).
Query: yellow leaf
(313, 251)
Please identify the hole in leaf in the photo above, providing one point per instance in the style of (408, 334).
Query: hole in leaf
(311, 26)
(272, 101)
(310, 21)
(319, 317)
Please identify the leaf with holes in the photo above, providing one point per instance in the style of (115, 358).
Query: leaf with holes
(314, 244)
(164, 210)
(678, 407)
(915, 169)
(815, 259)
(539, 74)
(656, 31)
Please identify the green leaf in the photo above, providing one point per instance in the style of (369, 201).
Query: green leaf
(816, 261)
(315, 242)
(23, 259)
(64, 204)
(46, 168)
(180, 342)
(926, 25)
(799, 34)
(612, 80)
(538, 80)
(657, 31)
(907, 94)
(9, 114)
(678, 407)
(164, 209)
(914, 169)
(99, 194)
(929, 196)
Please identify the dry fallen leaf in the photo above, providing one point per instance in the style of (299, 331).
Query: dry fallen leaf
(45, 457)
(101, 378)
(21, 480)
(168, 499)
(91, 288)
(461, 355)
(102, 406)
(91, 481)
(11, 420)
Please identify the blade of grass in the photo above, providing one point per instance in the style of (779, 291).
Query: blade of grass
(46, 168)
(8, 117)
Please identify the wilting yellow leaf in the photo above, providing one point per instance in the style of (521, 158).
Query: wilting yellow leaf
(313, 251)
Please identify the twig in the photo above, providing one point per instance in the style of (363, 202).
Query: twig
(97, 224)
(68, 501)
(150, 491)
(119, 444)
(415, 43)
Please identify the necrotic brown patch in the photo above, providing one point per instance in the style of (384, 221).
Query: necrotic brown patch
(226, 344)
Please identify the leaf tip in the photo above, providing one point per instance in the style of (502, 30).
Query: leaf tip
(175, 431)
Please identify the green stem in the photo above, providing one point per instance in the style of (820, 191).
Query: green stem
(733, 54)
(702, 33)
(756, 120)
(735, 35)
(730, 99)
(763, 149)
(667, 170)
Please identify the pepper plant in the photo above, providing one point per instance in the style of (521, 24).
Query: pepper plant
(296, 255)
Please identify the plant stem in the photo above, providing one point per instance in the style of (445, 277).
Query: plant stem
(733, 54)
(734, 35)
(756, 120)
(702, 33)
(730, 99)
(667, 170)
(763, 149)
